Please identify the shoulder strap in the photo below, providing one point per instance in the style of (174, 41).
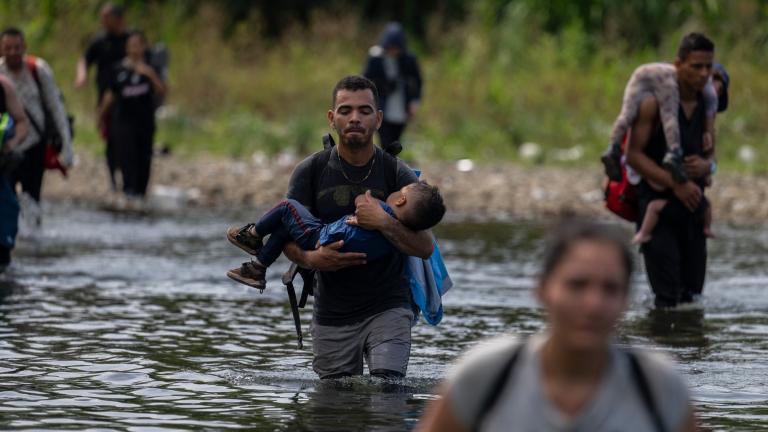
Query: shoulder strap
(31, 62)
(390, 171)
(498, 386)
(640, 379)
(317, 166)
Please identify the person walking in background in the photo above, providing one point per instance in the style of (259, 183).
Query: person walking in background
(395, 71)
(571, 377)
(105, 50)
(42, 102)
(13, 131)
(129, 103)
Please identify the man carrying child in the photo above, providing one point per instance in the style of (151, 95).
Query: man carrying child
(362, 305)
(676, 254)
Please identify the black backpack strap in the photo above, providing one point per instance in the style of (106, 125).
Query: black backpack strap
(641, 380)
(390, 171)
(498, 386)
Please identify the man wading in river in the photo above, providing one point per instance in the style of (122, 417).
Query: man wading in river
(676, 255)
(362, 309)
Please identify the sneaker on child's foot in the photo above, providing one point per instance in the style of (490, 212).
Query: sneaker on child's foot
(250, 273)
(611, 160)
(245, 239)
(673, 162)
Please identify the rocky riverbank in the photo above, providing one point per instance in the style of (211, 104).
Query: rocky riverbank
(488, 191)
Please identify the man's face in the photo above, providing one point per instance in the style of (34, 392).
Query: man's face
(355, 117)
(696, 69)
(111, 22)
(13, 48)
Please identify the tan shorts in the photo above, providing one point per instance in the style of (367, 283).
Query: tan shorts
(383, 340)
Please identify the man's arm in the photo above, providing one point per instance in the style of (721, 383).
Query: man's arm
(640, 135)
(16, 110)
(81, 73)
(370, 215)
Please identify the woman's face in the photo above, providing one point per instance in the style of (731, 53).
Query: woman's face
(585, 295)
(134, 46)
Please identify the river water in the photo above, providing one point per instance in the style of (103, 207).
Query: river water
(112, 322)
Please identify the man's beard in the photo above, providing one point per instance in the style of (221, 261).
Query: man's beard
(355, 143)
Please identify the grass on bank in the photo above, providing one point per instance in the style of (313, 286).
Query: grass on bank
(489, 89)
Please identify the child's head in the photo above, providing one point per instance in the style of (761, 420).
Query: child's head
(418, 206)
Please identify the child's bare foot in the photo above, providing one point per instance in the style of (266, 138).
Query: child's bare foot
(708, 233)
(641, 238)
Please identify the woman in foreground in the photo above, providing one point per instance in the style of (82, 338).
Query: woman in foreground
(571, 377)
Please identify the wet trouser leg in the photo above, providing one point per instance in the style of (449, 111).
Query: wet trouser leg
(134, 143)
(675, 257)
(145, 143)
(30, 172)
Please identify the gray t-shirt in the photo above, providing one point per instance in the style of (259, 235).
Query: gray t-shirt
(617, 405)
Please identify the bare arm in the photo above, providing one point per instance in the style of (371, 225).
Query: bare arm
(16, 110)
(106, 104)
(324, 258)
(690, 424)
(158, 86)
(370, 215)
(439, 417)
(407, 241)
(81, 73)
(640, 135)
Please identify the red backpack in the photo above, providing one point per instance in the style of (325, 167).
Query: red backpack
(620, 196)
(52, 145)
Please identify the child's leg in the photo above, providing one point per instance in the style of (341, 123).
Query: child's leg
(650, 220)
(287, 221)
(636, 90)
(668, 97)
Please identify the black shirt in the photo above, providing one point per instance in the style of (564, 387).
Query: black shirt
(691, 137)
(354, 293)
(134, 96)
(105, 50)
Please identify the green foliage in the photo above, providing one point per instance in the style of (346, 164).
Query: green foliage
(498, 73)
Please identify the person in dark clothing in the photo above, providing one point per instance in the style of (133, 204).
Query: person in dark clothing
(130, 103)
(9, 205)
(362, 307)
(395, 71)
(676, 255)
(105, 50)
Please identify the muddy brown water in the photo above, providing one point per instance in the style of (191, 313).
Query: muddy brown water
(109, 322)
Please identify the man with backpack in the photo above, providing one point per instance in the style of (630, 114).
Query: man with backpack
(362, 308)
(105, 50)
(676, 255)
(45, 110)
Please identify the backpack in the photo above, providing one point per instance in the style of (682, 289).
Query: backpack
(638, 377)
(428, 279)
(620, 196)
(48, 131)
(158, 58)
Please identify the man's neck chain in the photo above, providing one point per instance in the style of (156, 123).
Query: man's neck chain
(341, 166)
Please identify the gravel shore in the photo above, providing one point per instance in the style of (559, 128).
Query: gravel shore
(488, 191)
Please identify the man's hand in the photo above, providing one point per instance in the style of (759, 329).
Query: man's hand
(689, 194)
(369, 214)
(696, 167)
(328, 258)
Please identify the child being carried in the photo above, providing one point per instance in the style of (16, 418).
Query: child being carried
(418, 206)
